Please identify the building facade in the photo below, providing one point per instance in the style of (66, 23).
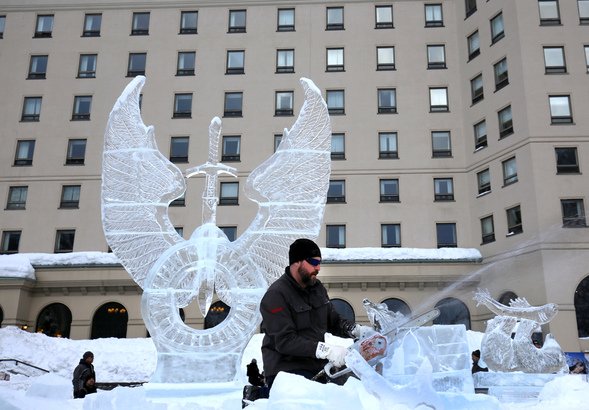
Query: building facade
(455, 124)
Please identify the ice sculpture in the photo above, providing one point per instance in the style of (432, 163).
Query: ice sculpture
(138, 184)
(504, 354)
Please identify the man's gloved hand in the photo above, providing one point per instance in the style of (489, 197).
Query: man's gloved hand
(334, 353)
(359, 330)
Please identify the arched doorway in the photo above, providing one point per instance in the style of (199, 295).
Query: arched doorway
(397, 305)
(110, 320)
(344, 309)
(452, 312)
(217, 313)
(507, 297)
(54, 320)
(582, 307)
(1, 316)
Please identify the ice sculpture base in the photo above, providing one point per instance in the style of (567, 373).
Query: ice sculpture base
(196, 367)
(226, 395)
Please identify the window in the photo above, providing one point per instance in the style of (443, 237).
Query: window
(480, 135)
(549, 14)
(484, 181)
(237, 21)
(335, 18)
(231, 148)
(24, 152)
(233, 105)
(389, 190)
(76, 152)
(554, 60)
(285, 61)
(470, 6)
(136, 64)
(335, 101)
(501, 75)
(573, 213)
(188, 22)
(387, 142)
(452, 312)
(433, 15)
(180, 201)
(277, 141)
(179, 149)
(385, 58)
(2, 24)
(387, 101)
(443, 189)
(474, 48)
(390, 235)
(87, 67)
(335, 59)
(10, 241)
(384, 17)
(140, 24)
(337, 146)
(31, 109)
(441, 144)
(235, 62)
(284, 103)
(64, 241)
(583, 11)
(92, 24)
(336, 236)
(70, 196)
(560, 109)
(497, 32)
(505, 122)
(436, 57)
(514, 221)
(179, 230)
(566, 161)
(82, 105)
(38, 67)
(438, 99)
(476, 89)
(44, 26)
(286, 20)
(446, 234)
(509, 171)
(182, 106)
(229, 193)
(587, 57)
(336, 192)
(230, 232)
(17, 197)
(186, 63)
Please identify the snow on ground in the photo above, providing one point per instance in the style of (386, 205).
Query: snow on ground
(134, 360)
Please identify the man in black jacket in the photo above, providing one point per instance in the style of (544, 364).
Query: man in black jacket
(297, 312)
(84, 377)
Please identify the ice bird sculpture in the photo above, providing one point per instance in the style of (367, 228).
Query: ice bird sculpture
(138, 184)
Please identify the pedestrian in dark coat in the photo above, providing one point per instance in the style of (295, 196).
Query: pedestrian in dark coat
(476, 355)
(253, 374)
(84, 377)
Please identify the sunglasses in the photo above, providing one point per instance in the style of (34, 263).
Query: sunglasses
(314, 262)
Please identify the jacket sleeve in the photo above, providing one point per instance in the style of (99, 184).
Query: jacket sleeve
(279, 320)
(80, 378)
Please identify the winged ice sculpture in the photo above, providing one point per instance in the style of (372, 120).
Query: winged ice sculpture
(138, 184)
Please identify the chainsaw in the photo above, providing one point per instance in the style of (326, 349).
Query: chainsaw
(372, 345)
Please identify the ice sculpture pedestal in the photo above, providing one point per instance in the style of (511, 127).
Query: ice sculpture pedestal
(229, 393)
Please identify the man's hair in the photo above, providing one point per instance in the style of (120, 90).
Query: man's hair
(477, 353)
(302, 249)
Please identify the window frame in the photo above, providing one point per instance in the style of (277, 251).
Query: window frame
(2, 26)
(336, 53)
(21, 160)
(501, 74)
(336, 193)
(229, 229)
(282, 61)
(233, 155)
(37, 74)
(435, 108)
(85, 59)
(20, 202)
(138, 27)
(470, 43)
(228, 200)
(39, 26)
(484, 182)
(573, 167)
(514, 220)
(437, 151)
(235, 67)
(35, 115)
(332, 106)
(497, 35)
(6, 242)
(385, 196)
(384, 235)
(583, 8)
(340, 231)
(181, 69)
(383, 24)
(387, 100)
(179, 149)
(59, 240)
(335, 154)
(480, 140)
(433, 64)
(505, 126)
(184, 27)
(68, 198)
(470, 7)
(441, 185)
(177, 101)
(509, 175)
(233, 26)
(286, 97)
(79, 113)
(285, 27)
(477, 93)
(231, 97)
(388, 136)
(88, 30)
(440, 244)
(554, 69)
(70, 158)
(334, 25)
(180, 201)
(555, 116)
(549, 21)
(433, 22)
(389, 63)
(486, 235)
(578, 220)
(133, 72)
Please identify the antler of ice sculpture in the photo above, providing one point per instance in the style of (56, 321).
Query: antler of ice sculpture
(138, 185)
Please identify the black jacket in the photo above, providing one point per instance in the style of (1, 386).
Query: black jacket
(295, 320)
(83, 372)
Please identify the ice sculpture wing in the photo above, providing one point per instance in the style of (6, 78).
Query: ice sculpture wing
(290, 187)
(138, 184)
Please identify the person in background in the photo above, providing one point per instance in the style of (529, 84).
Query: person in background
(297, 313)
(253, 374)
(84, 377)
(537, 344)
(476, 355)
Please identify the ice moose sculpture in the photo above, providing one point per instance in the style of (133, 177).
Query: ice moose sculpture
(138, 184)
(504, 354)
